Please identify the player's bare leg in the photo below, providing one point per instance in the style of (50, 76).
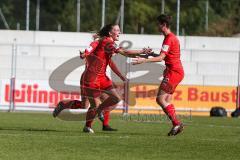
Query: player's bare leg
(91, 113)
(110, 102)
(97, 108)
(164, 100)
(105, 116)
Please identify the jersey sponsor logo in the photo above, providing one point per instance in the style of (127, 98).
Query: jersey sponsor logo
(165, 48)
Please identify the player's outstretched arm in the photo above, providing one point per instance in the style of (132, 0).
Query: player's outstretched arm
(134, 53)
(115, 69)
(154, 59)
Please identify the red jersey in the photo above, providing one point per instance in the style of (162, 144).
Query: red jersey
(93, 45)
(173, 73)
(97, 61)
(171, 48)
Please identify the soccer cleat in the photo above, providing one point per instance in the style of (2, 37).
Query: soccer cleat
(88, 129)
(58, 109)
(101, 117)
(176, 130)
(108, 128)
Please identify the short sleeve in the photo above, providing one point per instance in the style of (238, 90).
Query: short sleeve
(166, 45)
(111, 48)
(92, 47)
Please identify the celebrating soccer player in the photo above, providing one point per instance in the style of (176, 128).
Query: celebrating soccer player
(95, 81)
(84, 103)
(173, 73)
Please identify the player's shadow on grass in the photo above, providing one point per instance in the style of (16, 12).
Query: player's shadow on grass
(29, 129)
(128, 133)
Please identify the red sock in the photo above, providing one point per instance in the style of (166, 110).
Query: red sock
(106, 118)
(170, 111)
(66, 103)
(91, 113)
(76, 104)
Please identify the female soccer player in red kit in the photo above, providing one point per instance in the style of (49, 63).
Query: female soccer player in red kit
(84, 103)
(173, 74)
(95, 81)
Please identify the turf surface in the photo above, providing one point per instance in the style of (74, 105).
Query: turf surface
(33, 136)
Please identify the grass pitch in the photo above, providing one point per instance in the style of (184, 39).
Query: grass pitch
(34, 136)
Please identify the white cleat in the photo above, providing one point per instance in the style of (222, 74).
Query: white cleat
(176, 130)
(88, 130)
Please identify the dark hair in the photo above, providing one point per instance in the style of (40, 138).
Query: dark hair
(163, 18)
(104, 31)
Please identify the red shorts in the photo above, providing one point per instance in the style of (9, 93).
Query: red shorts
(95, 88)
(171, 80)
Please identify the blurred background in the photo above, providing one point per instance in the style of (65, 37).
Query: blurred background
(196, 17)
(40, 66)
(40, 42)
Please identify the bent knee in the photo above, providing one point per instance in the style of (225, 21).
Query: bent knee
(160, 101)
(117, 99)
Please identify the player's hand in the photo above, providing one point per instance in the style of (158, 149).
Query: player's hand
(147, 50)
(81, 54)
(138, 61)
(124, 79)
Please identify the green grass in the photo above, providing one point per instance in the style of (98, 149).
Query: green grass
(36, 136)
